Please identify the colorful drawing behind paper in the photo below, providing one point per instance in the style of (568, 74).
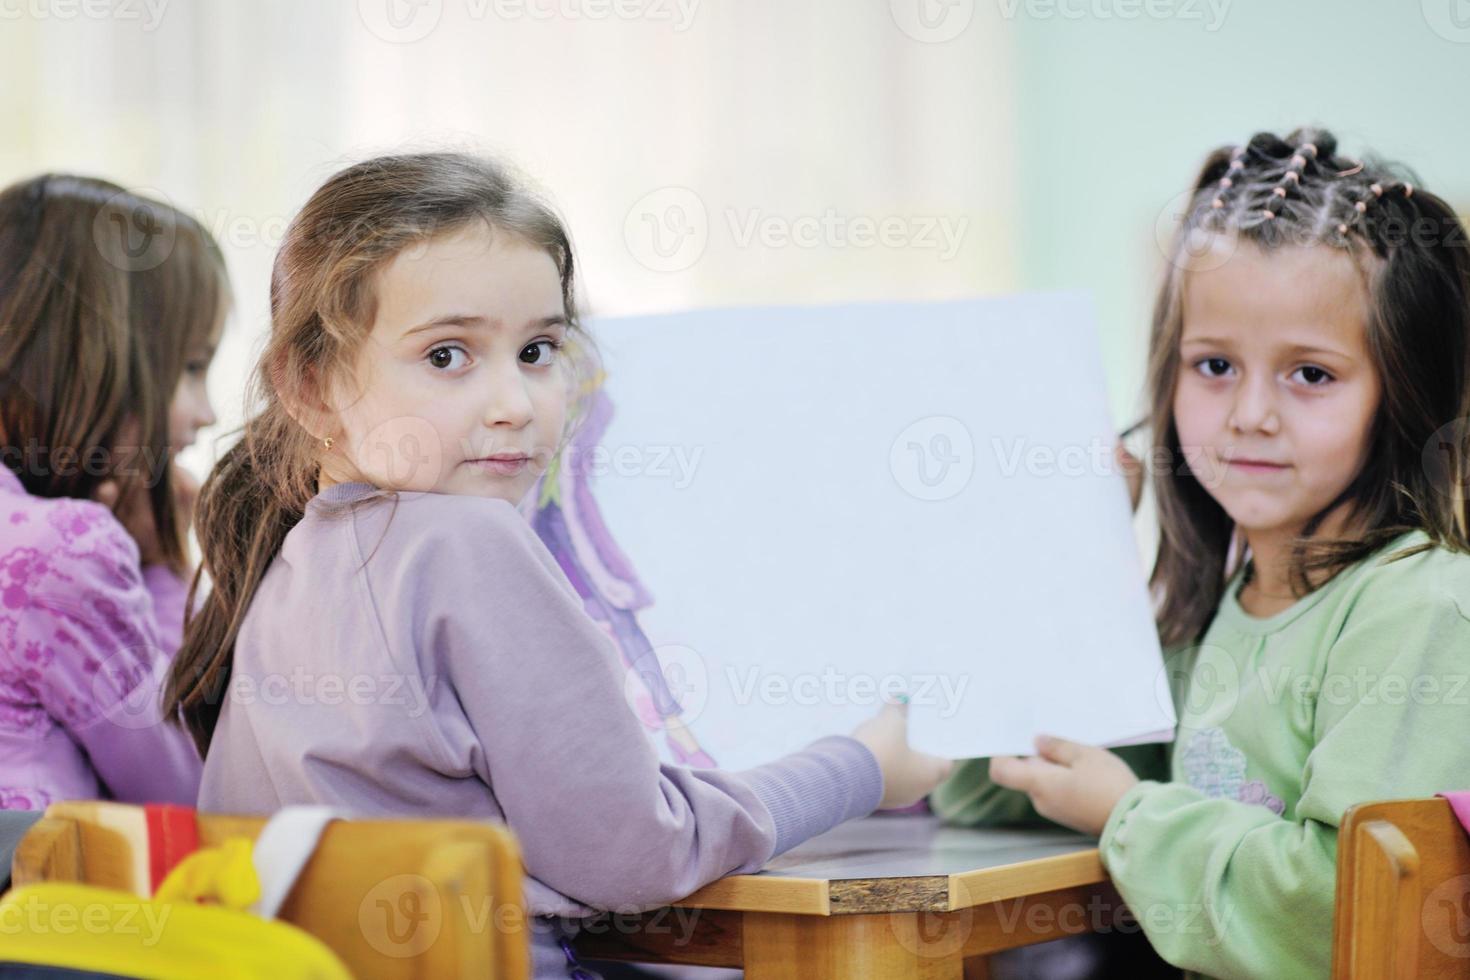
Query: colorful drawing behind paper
(568, 521)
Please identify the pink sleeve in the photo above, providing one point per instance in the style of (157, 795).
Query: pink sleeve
(89, 644)
(170, 592)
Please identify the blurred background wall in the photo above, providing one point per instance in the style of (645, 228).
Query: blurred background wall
(719, 152)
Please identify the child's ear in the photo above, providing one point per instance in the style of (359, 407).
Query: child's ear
(304, 398)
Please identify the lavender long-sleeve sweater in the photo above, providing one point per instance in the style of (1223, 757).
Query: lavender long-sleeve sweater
(86, 635)
(428, 657)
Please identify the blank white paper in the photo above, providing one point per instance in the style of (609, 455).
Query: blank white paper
(831, 504)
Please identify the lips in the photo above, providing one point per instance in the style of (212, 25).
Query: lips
(503, 464)
(1255, 464)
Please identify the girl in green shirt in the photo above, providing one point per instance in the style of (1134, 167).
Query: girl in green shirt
(1308, 381)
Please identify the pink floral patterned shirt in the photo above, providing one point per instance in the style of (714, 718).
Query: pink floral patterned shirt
(86, 636)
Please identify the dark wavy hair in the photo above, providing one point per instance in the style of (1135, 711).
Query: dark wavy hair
(1414, 258)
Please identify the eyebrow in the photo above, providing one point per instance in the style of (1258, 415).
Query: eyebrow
(473, 320)
(1294, 349)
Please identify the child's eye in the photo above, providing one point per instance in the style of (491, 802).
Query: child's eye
(1312, 375)
(197, 369)
(541, 353)
(443, 357)
(1212, 367)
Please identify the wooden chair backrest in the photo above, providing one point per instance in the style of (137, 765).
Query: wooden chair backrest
(397, 899)
(1403, 893)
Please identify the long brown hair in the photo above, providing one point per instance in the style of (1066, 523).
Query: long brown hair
(103, 293)
(1415, 261)
(322, 307)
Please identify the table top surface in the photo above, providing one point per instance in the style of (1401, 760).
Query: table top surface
(891, 862)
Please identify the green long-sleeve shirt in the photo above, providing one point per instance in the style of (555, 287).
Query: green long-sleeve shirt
(1359, 691)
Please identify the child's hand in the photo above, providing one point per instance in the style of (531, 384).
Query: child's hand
(1075, 785)
(908, 776)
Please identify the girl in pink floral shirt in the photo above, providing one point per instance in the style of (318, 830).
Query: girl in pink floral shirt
(112, 305)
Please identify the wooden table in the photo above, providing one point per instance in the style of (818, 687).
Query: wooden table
(885, 897)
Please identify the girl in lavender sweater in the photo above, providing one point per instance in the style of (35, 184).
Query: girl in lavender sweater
(111, 305)
(388, 634)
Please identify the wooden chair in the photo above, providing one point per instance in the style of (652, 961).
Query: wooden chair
(1403, 893)
(398, 899)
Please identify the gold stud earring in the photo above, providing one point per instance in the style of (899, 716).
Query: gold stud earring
(327, 443)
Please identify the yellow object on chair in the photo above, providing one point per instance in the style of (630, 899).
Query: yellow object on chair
(350, 895)
(225, 875)
(83, 927)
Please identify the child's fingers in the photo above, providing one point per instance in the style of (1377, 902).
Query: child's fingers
(942, 767)
(1013, 773)
(1058, 750)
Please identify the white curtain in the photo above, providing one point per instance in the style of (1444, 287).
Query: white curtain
(830, 150)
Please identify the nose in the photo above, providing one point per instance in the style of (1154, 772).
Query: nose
(1254, 409)
(205, 417)
(509, 403)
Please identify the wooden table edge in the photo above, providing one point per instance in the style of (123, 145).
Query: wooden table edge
(917, 893)
(970, 888)
(763, 893)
